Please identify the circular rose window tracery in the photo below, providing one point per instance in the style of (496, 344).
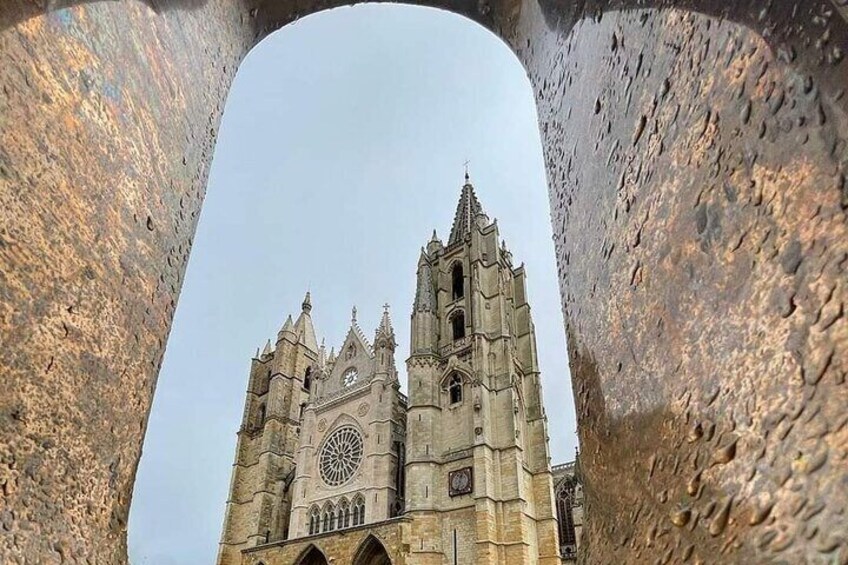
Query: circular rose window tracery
(341, 455)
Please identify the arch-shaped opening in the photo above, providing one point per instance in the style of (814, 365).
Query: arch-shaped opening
(328, 517)
(371, 552)
(457, 281)
(343, 514)
(458, 325)
(440, 201)
(455, 388)
(312, 556)
(314, 520)
(565, 493)
(358, 511)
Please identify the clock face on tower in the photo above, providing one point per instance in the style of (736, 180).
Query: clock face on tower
(460, 482)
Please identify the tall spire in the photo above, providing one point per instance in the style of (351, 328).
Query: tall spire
(466, 211)
(385, 328)
(303, 328)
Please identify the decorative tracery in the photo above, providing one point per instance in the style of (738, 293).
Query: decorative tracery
(565, 498)
(341, 456)
(358, 511)
(314, 521)
(343, 515)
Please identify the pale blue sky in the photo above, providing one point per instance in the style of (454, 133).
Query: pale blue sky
(340, 150)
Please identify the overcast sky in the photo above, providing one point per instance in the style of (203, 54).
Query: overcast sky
(341, 149)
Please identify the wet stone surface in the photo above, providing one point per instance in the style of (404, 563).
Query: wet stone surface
(697, 163)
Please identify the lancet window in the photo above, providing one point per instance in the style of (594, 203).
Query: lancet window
(358, 511)
(457, 281)
(458, 325)
(455, 389)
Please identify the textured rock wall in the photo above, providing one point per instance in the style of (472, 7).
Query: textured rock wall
(696, 161)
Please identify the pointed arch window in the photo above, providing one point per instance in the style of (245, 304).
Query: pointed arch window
(458, 325)
(565, 501)
(455, 389)
(358, 511)
(457, 281)
(343, 515)
(314, 521)
(328, 518)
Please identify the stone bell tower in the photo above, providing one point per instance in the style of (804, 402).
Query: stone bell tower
(478, 469)
(259, 503)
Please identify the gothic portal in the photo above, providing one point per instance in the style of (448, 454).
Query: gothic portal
(335, 464)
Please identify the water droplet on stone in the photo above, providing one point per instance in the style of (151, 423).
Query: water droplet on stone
(681, 517)
(719, 522)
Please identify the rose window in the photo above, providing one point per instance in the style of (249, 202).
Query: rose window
(341, 455)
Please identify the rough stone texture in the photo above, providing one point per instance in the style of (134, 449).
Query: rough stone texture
(497, 427)
(350, 548)
(697, 167)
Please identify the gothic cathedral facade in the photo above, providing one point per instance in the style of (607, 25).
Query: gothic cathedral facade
(335, 465)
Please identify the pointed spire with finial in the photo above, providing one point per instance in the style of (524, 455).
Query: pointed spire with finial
(434, 246)
(385, 328)
(467, 210)
(267, 349)
(303, 328)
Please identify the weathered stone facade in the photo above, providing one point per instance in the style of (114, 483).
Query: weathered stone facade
(354, 395)
(258, 508)
(475, 404)
(470, 442)
(568, 492)
(696, 163)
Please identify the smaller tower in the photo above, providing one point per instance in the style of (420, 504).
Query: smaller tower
(260, 488)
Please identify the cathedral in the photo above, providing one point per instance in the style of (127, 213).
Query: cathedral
(334, 464)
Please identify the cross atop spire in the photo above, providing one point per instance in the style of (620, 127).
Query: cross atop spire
(385, 332)
(467, 210)
(386, 322)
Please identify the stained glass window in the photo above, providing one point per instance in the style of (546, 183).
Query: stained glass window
(341, 455)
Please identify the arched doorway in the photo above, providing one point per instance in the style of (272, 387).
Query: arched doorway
(312, 556)
(372, 552)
